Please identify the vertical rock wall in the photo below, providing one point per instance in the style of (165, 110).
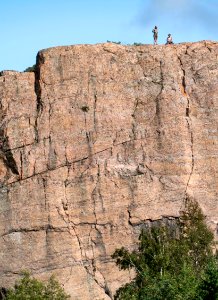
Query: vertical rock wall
(101, 140)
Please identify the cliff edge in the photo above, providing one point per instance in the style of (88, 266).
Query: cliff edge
(99, 141)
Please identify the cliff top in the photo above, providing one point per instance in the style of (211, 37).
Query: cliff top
(113, 46)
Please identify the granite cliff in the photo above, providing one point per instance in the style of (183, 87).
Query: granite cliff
(99, 141)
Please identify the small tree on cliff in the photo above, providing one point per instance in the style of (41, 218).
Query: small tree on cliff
(31, 69)
(29, 288)
(171, 262)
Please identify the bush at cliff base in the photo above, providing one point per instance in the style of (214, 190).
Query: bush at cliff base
(172, 262)
(29, 288)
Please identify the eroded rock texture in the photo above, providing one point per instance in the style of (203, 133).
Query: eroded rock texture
(102, 139)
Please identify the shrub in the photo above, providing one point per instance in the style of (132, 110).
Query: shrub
(118, 43)
(31, 69)
(29, 288)
(137, 44)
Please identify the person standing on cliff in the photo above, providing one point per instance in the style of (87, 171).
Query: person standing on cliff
(155, 34)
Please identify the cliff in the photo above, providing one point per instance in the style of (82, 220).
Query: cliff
(101, 140)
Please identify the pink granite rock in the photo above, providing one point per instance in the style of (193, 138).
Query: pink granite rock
(101, 140)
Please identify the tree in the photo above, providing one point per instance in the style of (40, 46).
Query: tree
(171, 262)
(29, 288)
(208, 288)
(31, 69)
(198, 238)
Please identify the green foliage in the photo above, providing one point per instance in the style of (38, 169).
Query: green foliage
(31, 69)
(29, 288)
(137, 44)
(197, 237)
(208, 288)
(172, 262)
(118, 43)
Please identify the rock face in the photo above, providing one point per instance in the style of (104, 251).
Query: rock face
(101, 140)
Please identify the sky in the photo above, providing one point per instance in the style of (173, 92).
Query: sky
(28, 26)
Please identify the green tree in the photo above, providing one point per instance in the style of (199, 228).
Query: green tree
(29, 288)
(31, 69)
(208, 288)
(171, 262)
(199, 240)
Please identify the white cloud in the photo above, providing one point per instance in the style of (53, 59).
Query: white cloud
(198, 13)
(171, 4)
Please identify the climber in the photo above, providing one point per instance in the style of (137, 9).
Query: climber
(169, 39)
(155, 34)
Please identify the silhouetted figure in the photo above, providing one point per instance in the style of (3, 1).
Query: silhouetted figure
(155, 34)
(169, 39)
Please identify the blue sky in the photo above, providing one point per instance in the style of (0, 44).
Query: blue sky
(30, 25)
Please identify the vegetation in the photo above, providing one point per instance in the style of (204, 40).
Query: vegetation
(137, 44)
(29, 288)
(31, 69)
(172, 262)
(118, 43)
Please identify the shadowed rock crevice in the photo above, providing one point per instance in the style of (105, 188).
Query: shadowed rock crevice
(158, 107)
(3, 293)
(189, 125)
(189, 122)
(170, 221)
(38, 91)
(91, 271)
(9, 160)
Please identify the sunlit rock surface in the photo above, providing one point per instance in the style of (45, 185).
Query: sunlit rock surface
(102, 139)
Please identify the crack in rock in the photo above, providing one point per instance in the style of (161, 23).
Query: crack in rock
(189, 124)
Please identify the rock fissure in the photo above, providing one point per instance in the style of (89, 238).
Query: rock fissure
(35, 229)
(96, 193)
(103, 285)
(9, 160)
(95, 111)
(89, 141)
(68, 164)
(206, 45)
(44, 182)
(183, 84)
(106, 49)
(158, 109)
(21, 165)
(129, 217)
(38, 92)
(134, 118)
(166, 220)
(70, 226)
(20, 147)
(189, 124)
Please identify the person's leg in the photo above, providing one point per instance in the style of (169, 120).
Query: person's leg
(155, 40)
